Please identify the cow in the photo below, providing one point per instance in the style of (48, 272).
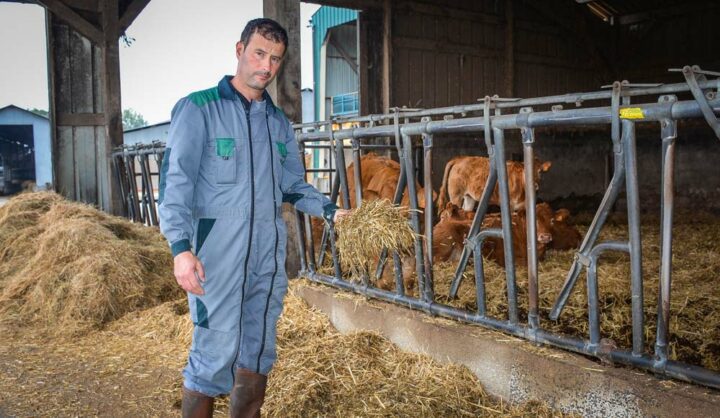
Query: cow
(465, 177)
(565, 236)
(379, 180)
(494, 249)
(450, 233)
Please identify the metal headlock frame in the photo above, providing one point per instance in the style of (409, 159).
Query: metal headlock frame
(404, 124)
(622, 116)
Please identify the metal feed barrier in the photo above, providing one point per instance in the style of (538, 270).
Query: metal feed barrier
(492, 117)
(497, 115)
(135, 176)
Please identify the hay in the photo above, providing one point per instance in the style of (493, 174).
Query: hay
(72, 267)
(321, 372)
(695, 296)
(168, 322)
(367, 230)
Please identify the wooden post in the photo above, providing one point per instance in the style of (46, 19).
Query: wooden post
(387, 55)
(285, 91)
(109, 193)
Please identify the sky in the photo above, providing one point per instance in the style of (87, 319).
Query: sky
(179, 46)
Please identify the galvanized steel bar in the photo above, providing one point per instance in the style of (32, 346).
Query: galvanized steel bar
(528, 138)
(407, 158)
(490, 184)
(652, 112)
(591, 236)
(428, 239)
(633, 208)
(506, 219)
(669, 134)
(591, 263)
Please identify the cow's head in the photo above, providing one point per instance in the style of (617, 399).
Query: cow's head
(543, 222)
(451, 211)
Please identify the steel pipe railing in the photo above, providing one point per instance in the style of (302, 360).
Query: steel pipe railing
(492, 117)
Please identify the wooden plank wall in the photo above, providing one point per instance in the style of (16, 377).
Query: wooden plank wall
(80, 161)
(456, 53)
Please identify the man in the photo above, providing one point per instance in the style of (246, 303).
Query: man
(231, 160)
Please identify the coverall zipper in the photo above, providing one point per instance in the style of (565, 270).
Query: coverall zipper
(272, 281)
(252, 221)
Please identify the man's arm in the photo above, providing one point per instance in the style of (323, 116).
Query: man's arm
(296, 190)
(178, 176)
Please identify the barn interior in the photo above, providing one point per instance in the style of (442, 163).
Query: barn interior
(430, 54)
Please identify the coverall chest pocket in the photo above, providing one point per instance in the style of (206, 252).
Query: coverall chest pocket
(226, 160)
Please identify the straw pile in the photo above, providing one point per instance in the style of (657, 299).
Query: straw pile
(367, 230)
(72, 267)
(695, 295)
(321, 372)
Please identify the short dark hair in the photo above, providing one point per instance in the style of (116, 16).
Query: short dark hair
(268, 28)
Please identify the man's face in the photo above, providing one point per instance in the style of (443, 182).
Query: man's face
(259, 61)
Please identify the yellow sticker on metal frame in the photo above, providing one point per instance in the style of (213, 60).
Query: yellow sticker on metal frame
(632, 113)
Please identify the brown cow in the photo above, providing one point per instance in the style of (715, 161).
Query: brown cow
(465, 177)
(493, 247)
(565, 236)
(380, 177)
(450, 233)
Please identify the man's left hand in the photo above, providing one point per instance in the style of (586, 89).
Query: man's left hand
(340, 213)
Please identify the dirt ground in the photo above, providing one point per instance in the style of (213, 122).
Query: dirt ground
(88, 376)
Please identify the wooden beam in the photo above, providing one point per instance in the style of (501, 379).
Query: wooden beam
(80, 119)
(109, 198)
(65, 13)
(386, 55)
(131, 13)
(86, 5)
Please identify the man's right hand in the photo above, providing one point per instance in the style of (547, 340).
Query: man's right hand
(189, 272)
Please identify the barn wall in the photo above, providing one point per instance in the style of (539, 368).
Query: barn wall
(455, 54)
(687, 36)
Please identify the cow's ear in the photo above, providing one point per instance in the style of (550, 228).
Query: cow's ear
(561, 215)
(545, 166)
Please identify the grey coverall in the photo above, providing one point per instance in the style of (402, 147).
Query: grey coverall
(228, 166)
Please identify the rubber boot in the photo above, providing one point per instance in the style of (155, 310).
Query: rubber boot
(196, 404)
(248, 394)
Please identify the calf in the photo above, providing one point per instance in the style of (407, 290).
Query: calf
(379, 178)
(565, 236)
(494, 249)
(465, 177)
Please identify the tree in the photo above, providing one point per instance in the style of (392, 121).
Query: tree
(43, 113)
(132, 119)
